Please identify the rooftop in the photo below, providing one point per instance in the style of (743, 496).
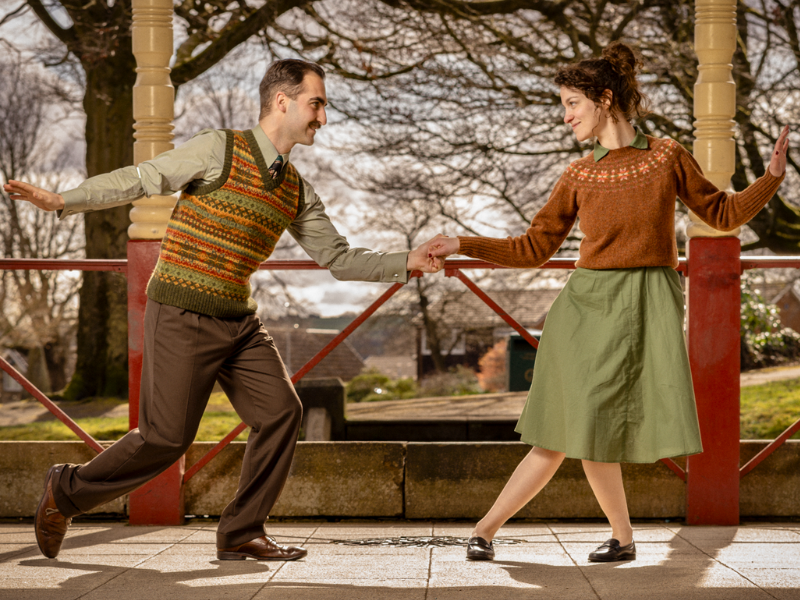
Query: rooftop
(468, 311)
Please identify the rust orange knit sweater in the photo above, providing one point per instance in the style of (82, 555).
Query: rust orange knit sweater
(626, 206)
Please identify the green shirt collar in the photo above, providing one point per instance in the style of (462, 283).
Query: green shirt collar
(268, 150)
(640, 141)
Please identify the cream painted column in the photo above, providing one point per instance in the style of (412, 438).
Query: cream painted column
(153, 107)
(714, 100)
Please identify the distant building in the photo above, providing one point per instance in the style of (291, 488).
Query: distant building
(473, 328)
(298, 346)
(394, 367)
(11, 389)
(788, 302)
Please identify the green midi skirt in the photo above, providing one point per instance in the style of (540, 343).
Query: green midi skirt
(611, 382)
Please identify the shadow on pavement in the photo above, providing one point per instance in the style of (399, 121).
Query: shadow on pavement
(689, 570)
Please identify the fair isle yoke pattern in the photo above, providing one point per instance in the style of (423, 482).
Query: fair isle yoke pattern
(220, 233)
(637, 168)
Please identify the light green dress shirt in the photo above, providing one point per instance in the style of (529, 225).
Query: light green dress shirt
(201, 159)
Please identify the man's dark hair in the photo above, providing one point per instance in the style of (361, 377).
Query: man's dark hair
(285, 76)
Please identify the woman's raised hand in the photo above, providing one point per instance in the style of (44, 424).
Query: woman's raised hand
(17, 190)
(777, 165)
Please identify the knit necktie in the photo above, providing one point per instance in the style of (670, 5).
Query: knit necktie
(276, 167)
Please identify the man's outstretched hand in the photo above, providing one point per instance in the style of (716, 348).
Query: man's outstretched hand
(17, 190)
(419, 258)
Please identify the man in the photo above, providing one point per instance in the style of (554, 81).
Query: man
(240, 192)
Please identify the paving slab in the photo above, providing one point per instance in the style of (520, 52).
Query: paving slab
(398, 560)
(344, 589)
(754, 533)
(780, 583)
(703, 581)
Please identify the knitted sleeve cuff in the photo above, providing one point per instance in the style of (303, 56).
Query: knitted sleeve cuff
(492, 250)
(756, 196)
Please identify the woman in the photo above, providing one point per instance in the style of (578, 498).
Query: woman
(612, 381)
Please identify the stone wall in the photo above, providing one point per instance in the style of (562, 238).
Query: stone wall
(413, 480)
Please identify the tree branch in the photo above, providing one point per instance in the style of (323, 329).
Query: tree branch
(486, 8)
(231, 36)
(65, 35)
(17, 12)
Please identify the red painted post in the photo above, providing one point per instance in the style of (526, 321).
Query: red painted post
(713, 299)
(159, 502)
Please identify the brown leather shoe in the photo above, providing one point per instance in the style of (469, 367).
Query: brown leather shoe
(261, 548)
(49, 524)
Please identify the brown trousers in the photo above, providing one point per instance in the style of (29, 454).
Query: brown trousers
(184, 354)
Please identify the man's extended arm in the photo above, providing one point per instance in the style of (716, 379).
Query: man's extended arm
(200, 158)
(316, 234)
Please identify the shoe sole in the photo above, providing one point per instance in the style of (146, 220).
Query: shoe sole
(479, 557)
(245, 555)
(620, 559)
(36, 515)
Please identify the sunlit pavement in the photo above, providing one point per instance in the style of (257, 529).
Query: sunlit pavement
(400, 560)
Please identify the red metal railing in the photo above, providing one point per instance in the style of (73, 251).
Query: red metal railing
(121, 266)
(452, 269)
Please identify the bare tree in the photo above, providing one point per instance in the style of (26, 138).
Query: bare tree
(224, 97)
(454, 94)
(457, 96)
(92, 42)
(39, 308)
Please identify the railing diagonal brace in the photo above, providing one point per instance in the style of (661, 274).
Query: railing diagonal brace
(774, 445)
(349, 329)
(493, 305)
(49, 405)
(675, 468)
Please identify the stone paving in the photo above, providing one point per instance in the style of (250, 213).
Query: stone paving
(401, 560)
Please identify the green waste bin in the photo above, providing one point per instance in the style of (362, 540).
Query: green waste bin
(520, 357)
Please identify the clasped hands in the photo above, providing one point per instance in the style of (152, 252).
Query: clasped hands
(429, 256)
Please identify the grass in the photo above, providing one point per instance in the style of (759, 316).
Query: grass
(217, 422)
(213, 427)
(766, 411)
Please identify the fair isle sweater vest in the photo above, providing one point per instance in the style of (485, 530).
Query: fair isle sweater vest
(220, 232)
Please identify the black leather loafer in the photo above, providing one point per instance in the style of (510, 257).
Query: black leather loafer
(611, 551)
(479, 549)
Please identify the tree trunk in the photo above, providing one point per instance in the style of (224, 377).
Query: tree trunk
(431, 331)
(102, 361)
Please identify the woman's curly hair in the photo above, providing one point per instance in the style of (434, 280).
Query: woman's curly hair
(616, 71)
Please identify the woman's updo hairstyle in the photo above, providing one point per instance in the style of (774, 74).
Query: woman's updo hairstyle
(615, 70)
